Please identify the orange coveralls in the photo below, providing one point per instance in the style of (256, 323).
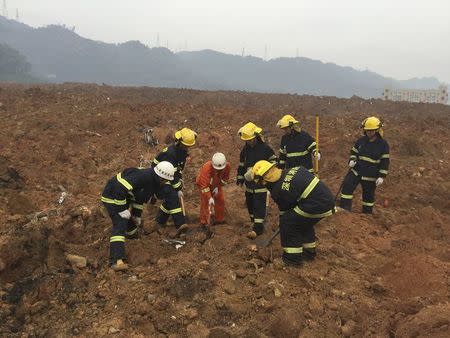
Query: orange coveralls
(207, 180)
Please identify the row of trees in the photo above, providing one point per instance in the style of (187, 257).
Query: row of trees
(14, 66)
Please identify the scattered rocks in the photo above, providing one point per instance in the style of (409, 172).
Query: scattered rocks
(113, 330)
(197, 330)
(241, 273)
(348, 328)
(229, 288)
(286, 324)
(315, 305)
(77, 261)
(219, 332)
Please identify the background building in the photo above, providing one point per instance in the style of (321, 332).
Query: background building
(439, 95)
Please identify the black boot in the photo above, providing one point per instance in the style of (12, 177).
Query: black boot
(292, 259)
(309, 254)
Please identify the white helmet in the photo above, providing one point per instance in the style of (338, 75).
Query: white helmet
(165, 170)
(219, 161)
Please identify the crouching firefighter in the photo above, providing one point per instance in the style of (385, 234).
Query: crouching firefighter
(212, 176)
(303, 200)
(369, 165)
(130, 190)
(254, 150)
(172, 193)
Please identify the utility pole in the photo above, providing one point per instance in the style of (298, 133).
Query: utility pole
(265, 52)
(17, 14)
(157, 39)
(5, 9)
(167, 44)
(243, 52)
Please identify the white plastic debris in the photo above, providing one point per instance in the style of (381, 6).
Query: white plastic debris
(62, 198)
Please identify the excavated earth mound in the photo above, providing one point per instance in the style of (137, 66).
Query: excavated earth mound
(383, 275)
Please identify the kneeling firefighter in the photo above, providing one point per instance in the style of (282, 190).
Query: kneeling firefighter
(131, 189)
(172, 193)
(303, 200)
(212, 176)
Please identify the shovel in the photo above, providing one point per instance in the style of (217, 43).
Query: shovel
(183, 208)
(264, 242)
(209, 232)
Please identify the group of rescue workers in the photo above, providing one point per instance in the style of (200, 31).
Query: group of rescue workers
(302, 199)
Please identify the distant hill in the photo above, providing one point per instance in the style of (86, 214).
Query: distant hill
(58, 54)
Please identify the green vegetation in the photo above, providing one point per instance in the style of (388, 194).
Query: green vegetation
(14, 66)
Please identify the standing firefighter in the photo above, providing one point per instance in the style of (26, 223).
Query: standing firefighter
(303, 201)
(212, 176)
(369, 165)
(255, 149)
(130, 189)
(297, 146)
(172, 194)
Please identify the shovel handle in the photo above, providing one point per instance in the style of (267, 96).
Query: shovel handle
(182, 206)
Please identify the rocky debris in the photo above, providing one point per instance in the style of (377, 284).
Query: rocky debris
(287, 324)
(77, 261)
(197, 330)
(348, 328)
(431, 321)
(9, 176)
(363, 280)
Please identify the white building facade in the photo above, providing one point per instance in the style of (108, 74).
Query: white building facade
(439, 95)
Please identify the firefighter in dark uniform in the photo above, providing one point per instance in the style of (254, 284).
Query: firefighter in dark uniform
(255, 149)
(297, 146)
(369, 165)
(172, 191)
(303, 200)
(130, 190)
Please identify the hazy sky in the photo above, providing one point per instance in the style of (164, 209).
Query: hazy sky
(398, 38)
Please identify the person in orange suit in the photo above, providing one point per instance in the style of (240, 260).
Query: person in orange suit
(212, 176)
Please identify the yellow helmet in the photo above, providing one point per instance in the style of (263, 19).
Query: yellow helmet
(186, 136)
(265, 170)
(286, 121)
(371, 123)
(249, 131)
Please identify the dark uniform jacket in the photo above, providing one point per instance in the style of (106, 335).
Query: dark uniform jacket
(247, 159)
(177, 156)
(133, 186)
(372, 158)
(300, 190)
(296, 149)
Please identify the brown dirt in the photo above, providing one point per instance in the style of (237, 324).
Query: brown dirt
(383, 275)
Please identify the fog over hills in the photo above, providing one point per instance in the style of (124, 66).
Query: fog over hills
(58, 54)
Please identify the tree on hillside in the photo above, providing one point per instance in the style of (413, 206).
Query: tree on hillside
(14, 66)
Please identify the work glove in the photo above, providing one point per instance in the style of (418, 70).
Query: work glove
(137, 221)
(215, 191)
(125, 214)
(317, 154)
(352, 163)
(249, 175)
(379, 181)
(211, 201)
(180, 194)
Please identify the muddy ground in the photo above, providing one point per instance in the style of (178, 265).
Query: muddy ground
(385, 275)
